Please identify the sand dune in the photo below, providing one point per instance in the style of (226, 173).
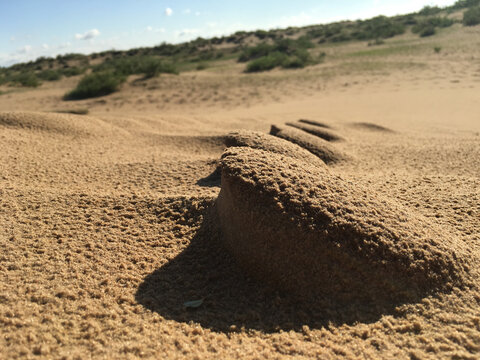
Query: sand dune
(306, 248)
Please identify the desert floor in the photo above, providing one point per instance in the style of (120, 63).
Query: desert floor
(100, 211)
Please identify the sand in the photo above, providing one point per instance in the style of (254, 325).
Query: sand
(110, 220)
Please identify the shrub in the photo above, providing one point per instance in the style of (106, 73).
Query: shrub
(96, 84)
(379, 27)
(424, 28)
(428, 30)
(437, 49)
(461, 4)
(73, 71)
(27, 79)
(50, 75)
(441, 22)
(255, 52)
(149, 66)
(267, 62)
(471, 17)
(429, 10)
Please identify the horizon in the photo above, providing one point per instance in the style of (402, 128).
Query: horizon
(88, 27)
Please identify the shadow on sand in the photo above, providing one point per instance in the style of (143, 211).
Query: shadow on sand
(232, 301)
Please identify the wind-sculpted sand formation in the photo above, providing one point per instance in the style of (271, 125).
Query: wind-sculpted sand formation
(204, 231)
(308, 231)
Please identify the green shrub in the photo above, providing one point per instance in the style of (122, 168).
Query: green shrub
(50, 75)
(429, 10)
(428, 30)
(424, 29)
(27, 79)
(96, 84)
(268, 62)
(461, 4)
(380, 27)
(441, 22)
(73, 71)
(437, 49)
(255, 52)
(147, 65)
(201, 66)
(471, 17)
(152, 67)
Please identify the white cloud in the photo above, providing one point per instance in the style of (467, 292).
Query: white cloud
(198, 13)
(187, 11)
(45, 46)
(12, 38)
(168, 12)
(65, 45)
(90, 34)
(186, 32)
(24, 49)
(154, 30)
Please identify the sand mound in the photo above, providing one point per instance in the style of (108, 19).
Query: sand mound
(314, 123)
(65, 124)
(304, 230)
(257, 140)
(317, 146)
(371, 127)
(316, 130)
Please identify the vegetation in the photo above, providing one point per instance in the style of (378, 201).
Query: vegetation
(73, 71)
(27, 79)
(146, 65)
(287, 53)
(287, 48)
(471, 17)
(96, 84)
(427, 27)
(50, 75)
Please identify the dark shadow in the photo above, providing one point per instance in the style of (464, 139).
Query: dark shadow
(314, 123)
(371, 127)
(231, 300)
(212, 180)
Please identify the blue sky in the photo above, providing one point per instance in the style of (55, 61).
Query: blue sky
(33, 28)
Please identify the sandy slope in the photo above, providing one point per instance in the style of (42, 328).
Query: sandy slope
(106, 217)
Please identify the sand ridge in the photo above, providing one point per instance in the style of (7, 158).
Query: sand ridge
(309, 232)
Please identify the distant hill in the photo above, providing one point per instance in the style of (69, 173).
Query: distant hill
(261, 50)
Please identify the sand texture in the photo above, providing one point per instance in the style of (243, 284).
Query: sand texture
(169, 223)
(312, 233)
(313, 143)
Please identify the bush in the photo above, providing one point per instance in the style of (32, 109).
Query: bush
(255, 52)
(471, 17)
(437, 49)
(265, 63)
(379, 27)
(27, 79)
(428, 30)
(73, 71)
(441, 22)
(149, 66)
(424, 28)
(96, 84)
(50, 75)
(429, 10)
(461, 4)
